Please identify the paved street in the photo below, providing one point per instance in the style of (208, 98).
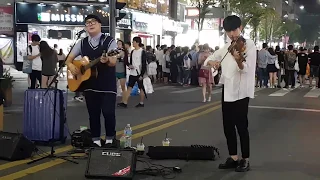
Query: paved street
(283, 128)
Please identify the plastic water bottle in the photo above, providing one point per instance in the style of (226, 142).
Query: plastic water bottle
(123, 142)
(128, 134)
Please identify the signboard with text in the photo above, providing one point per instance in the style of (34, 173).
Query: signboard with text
(64, 15)
(6, 20)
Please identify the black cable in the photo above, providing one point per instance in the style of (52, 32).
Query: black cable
(157, 170)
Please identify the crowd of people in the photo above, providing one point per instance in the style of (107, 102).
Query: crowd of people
(275, 66)
(184, 66)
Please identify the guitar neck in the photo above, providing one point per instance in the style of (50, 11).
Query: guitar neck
(92, 63)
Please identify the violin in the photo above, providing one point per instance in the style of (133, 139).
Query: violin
(238, 45)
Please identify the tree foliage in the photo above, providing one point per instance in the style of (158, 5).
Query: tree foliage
(252, 10)
(270, 26)
(293, 30)
(204, 7)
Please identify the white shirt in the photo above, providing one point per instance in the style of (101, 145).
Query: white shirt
(187, 62)
(36, 62)
(136, 61)
(238, 84)
(159, 56)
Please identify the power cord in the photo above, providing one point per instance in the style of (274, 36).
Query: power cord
(158, 170)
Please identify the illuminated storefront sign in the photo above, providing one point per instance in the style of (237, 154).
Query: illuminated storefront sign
(48, 17)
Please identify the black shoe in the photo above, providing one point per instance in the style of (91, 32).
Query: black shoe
(243, 166)
(122, 105)
(115, 144)
(229, 164)
(139, 105)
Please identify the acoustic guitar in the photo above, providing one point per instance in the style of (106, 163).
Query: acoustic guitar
(85, 67)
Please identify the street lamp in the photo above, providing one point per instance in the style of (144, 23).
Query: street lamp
(302, 7)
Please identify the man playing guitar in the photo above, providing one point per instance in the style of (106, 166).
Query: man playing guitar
(100, 91)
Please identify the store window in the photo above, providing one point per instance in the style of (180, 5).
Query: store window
(63, 36)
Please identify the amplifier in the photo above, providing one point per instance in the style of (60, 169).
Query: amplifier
(15, 146)
(193, 152)
(111, 163)
(81, 139)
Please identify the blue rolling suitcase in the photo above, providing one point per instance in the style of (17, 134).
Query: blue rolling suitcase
(38, 115)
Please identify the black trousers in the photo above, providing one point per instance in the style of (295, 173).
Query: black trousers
(98, 102)
(235, 115)
(289, 76)
(34, 76)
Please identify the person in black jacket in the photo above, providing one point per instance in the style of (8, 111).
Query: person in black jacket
(138, 67)
(281, 65)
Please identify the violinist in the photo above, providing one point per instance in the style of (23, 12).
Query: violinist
(238, 65)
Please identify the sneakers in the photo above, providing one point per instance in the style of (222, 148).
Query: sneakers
(139, 105)
(79, 98)
(123, 105)
(239, 166)
(115, 144)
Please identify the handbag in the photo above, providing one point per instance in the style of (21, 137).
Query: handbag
(27, 66)
(296, 66)
(204, 73)
(148, 85)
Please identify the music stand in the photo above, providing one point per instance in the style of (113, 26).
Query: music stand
(55, 81)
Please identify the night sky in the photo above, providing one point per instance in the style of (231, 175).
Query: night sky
(311, 6)
(309, 19)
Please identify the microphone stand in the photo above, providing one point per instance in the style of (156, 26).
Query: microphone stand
(55, 81)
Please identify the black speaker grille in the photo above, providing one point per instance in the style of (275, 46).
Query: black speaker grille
(111, 163)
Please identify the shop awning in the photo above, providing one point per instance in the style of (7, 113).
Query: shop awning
(145, 35)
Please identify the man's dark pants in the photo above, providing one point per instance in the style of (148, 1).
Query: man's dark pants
(235, 115)
(98, 102)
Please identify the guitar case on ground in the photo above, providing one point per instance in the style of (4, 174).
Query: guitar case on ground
(38, 115)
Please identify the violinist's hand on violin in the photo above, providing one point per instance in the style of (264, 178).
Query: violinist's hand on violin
(236, 55)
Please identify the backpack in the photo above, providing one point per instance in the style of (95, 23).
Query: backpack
(30, 48)
(150, 57)
(291, 56)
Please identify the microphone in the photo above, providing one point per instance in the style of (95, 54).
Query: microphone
(80, 32)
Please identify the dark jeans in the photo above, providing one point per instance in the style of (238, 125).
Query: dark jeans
(101, 102)
(187, 73)
(280, 78)
(235, 115)
(194, 76)
(290, 78)
(180, 74)
(34, 76)
(263, 76)
(174, 72)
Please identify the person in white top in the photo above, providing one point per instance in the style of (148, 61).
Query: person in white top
(159, 56)
(34, 56)
(238, 79)
(138, 69)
